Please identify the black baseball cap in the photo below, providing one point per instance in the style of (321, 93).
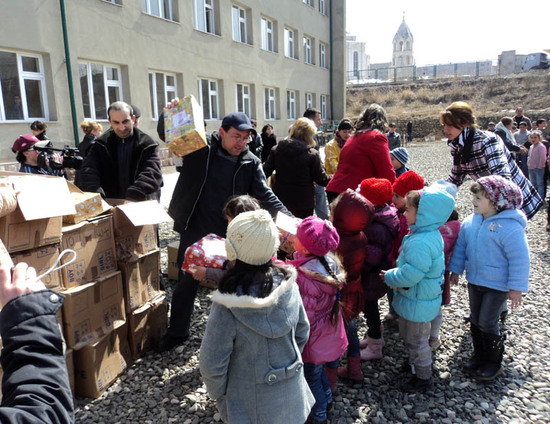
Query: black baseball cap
(237, 120)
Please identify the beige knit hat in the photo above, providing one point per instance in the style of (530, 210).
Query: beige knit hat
(252, 237)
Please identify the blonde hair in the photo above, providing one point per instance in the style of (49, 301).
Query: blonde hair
(304, 129)
(89, 126)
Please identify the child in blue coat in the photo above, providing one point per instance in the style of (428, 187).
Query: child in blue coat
(492, 248)
(418, 278)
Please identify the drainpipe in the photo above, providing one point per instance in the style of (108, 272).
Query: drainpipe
(331, 62)
(69, 70)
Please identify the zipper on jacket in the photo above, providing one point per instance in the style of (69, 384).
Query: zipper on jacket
(200, 191)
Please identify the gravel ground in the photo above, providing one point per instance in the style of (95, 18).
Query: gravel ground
(167, 388)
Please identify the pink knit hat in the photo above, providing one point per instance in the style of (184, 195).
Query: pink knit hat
(504, 193)
(318, 236)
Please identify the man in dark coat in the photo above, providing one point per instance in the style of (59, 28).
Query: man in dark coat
(207, 179)
(124, 162)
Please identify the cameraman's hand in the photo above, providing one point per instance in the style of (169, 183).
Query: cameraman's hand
(22, 281)
(57, 158)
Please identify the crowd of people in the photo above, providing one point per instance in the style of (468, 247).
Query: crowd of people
(281, 324)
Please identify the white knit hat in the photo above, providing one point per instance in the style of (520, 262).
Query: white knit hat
(252, 237)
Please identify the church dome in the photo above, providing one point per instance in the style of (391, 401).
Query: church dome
(403, 32)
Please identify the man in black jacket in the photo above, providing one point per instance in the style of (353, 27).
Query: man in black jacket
(124, 162)
(208, 178)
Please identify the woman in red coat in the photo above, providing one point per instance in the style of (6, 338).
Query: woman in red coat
(365, 155)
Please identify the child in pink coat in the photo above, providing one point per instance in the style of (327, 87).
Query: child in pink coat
(320, 279)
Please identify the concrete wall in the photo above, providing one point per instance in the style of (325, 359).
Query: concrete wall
(124, 35)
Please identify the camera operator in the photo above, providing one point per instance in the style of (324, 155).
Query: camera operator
(34, 162)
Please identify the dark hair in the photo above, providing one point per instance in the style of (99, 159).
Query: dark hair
(265, 127)
(453, 216)
(137, 112)
(39, 126)
(540, 121)
(506, 120)
(20, 157)
(336, 305)
(413, 198)
(120, 106)
(239, 204)
(373, 118)
(245, 276)
(345, 124)
(311, 112)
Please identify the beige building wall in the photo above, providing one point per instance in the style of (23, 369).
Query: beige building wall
(125, 37)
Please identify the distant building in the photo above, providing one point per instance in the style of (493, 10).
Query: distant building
(403, 46)
(357, 60)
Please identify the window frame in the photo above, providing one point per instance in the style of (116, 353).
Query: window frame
(107, 84)
(309, 2)
(241, 22)
(212, 94)
(323, 55)
(266, 31)
(323, 102)
(308, 50)
(246, 98)
(167, 89)
(290, 43)
(309, 100)
(323, 7)
(205, 16)
(270, 103)
(291, 105)
(163, 13)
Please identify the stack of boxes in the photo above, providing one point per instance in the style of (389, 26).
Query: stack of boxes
(114, 309)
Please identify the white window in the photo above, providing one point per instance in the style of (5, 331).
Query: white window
(308, 2)
(243, 98)
(162, 88)
(270, 103)
(268, 38)
(323, 7)
(208, 96)
(160, 8)
(323, 106)
(308, 56)
(322, 55)
(100, 85)
(114, 1)
(205, 15)
(22, 87)
(290, 49)
(239, 24)
(309, 100)
(291, 104)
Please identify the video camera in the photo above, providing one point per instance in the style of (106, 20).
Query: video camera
(71, 156)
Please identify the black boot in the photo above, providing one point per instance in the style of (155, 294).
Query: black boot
(477, 358)
(494, 350)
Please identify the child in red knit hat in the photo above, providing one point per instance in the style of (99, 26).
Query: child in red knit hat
(381, 233)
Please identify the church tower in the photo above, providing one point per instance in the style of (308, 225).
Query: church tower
(403, 46)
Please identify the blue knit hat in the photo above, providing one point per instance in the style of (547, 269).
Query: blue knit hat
(401, 154)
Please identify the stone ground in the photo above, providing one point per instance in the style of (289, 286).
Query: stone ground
(167, 388)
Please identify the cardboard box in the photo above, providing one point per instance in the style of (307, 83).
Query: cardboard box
(135, 226)
(147, 325)
(92, 310)
(87, 205)
(42, 258)
(94, 244)
(141, 279)
(184, 127)
(173, 269)
(97, 365)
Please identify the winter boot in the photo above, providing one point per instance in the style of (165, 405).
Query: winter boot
(415, 384)
(363, 343)
(332, 376)
(373, 349)
(478, 357)
(352, 371)
(493, 346)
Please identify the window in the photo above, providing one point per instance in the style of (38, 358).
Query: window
(243, 98)
(323, 7)
(114, 1)
(205, 15)
(100, 85)
(270, 103)
(208, 96)
(160, 8)
(268, 37)
(323, 106)
(308, 2)
(356, 63)
(291, 104)
(309, 100)
(22, 87)
(323, 55)
(162, 88)
(290, 49)
(308, 57)
(239, 24)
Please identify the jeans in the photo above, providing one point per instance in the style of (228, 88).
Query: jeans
(318, 384)
(321, 205)
(486, 306)
(353, 339)
(415, 335)
(536, 176)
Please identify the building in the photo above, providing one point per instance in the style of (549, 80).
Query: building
(357, 60)
(403, 46)
(268, 59)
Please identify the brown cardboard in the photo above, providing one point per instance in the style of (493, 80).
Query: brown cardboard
(42, 258)
(91, 310)
(97, 365)
(94, 244)
(141, 279)
(173, 269)
(87, 205)
(147, 325)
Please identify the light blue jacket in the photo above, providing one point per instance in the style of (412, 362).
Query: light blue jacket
(493, 251)
(421, 263)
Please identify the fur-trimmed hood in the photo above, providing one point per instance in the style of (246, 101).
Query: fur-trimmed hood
(268, 316)
(315, 270)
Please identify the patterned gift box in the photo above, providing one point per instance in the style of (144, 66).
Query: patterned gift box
(209, 252)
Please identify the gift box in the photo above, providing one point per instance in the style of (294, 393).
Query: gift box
(184, 127)
(209, 252)
(287, 227)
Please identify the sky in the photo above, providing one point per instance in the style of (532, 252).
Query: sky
(451, 31)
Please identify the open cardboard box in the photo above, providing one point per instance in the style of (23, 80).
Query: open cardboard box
(87, 205)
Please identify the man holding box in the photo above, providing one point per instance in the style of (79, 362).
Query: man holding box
(124, 162)
(208, 178)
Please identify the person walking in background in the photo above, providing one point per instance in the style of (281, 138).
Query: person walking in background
(394, 138)
(269, 140)
(38, 129)
(255, 145)
(409, 131)
(492, 248)
(399, 158)
(91, 130)
(522, 139)
(519, 117)
(536, 161)
(334, 146)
